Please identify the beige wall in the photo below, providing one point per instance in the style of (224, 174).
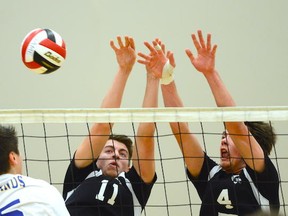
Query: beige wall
(251, 57)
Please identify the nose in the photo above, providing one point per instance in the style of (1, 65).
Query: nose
(224, 140)
(116, 155)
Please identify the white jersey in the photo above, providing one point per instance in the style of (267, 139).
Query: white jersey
(22, 195)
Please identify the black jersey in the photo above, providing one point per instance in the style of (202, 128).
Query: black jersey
(242, 194)
(88, 192)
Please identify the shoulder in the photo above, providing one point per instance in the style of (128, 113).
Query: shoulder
(32, 181)
(133, 176)
(208, 170)
(37, 185)
(269, 171)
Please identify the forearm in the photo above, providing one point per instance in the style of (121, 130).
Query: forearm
(221, 95)
(246, 145)
(150, 100)
(114, 95)
(171, 96)
(187, 142)
(143, 154)
(172, 99)
(92, 145)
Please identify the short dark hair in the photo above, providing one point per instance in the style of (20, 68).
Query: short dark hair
(125, 140)
(264, 134)
(8, 144)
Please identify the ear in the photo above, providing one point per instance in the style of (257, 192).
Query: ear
(12, 158)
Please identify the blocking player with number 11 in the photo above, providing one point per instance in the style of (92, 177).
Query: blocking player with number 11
(99, 180)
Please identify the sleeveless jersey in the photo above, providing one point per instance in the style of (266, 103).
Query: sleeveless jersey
(229, 194)
(88, 192)
(24, 196)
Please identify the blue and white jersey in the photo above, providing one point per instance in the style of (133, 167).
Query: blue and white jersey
(24, 196)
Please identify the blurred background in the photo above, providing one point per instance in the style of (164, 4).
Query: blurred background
(251, 58)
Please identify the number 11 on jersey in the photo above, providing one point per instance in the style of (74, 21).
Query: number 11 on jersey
(100, 196)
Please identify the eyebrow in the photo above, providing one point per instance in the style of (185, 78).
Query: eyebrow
(224, 133)
(112, 146)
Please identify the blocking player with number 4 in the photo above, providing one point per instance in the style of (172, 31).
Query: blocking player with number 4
(246, 180)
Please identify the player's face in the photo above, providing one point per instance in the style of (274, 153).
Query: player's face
(113, 159)
(230, 160)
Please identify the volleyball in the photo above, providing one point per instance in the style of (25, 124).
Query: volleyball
(43, 51)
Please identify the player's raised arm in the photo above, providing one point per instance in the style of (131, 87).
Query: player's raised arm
(204, 62)
(92, 145)
(143, 155)
(188, 144)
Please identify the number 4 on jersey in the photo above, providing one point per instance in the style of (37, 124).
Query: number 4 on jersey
(223, 199)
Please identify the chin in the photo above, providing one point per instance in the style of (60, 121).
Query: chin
(113, 173)
(225, 165)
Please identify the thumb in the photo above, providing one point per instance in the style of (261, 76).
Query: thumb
(189, 54)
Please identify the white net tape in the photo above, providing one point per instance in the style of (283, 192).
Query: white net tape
(145, 115)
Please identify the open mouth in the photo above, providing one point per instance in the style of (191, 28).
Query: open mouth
(224, 154)
(114, 164)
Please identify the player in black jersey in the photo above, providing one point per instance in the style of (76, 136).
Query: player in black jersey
(99, 180)
(246, 180)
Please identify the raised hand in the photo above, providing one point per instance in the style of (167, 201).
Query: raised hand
(125, 54)
(156, 59)
(205, 60)
(169, 54)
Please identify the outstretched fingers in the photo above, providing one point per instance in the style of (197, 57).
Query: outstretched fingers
(170, 56)
(145, 58)
(132, 43)
(208, 42)
(196, 43)
(213, 52)
(151, 48)
(201, 39)
(129, 42)
(162, 45)
(112, 45)
(189, 54)
(120, 41)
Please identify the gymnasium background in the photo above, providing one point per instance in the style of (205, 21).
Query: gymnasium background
(251, 56)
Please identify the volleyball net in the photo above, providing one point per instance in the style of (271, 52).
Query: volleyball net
(49, 138)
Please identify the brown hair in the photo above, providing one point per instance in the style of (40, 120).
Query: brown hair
(8, 144)
(264, 134)
(125, 140)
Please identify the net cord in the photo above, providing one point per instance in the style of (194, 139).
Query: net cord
(118, 115)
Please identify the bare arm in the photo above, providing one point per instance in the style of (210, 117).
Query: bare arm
(93, 144)
(143, 155)
(188, 143)
(247, 146)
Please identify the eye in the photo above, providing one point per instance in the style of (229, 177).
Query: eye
(224, 135)
(109, 151)
(124, 155)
